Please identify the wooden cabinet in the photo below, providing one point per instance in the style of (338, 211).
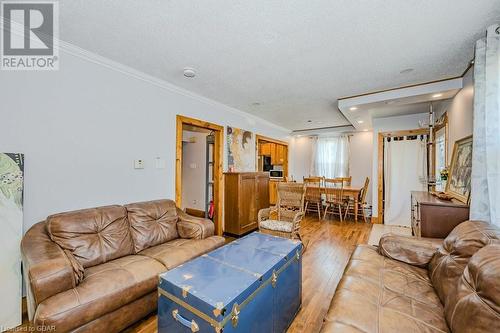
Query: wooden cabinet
(273, 192)
(433, 217)
(278, 153)
(265, 149)
(245, 193)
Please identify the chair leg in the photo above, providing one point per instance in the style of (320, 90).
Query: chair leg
(319, 210)
(340, 213)
(326, 210)
(305, 208)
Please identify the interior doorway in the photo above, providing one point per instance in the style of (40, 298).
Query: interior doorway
(198, 180)
(402, 167)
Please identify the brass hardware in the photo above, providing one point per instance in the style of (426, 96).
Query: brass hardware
(194, 326)
(218, 309)
(235, 314)
(274, 278)
(185, 291)
(174, 313)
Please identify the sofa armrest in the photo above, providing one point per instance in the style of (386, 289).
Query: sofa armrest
(47, 268)
(410, 250)
(192, 227)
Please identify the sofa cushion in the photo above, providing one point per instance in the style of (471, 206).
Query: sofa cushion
(449, 262)
(179, 251)
(378, 294)
(152, 223)
(94, 236)
(104, 289)
(475, 306)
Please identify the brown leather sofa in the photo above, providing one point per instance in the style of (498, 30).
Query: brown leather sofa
(97, 269)
(422, 285)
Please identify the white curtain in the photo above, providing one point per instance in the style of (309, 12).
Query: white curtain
(405, 170)
(485, 181)
(330, 156)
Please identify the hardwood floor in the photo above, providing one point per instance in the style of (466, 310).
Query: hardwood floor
(329, 246)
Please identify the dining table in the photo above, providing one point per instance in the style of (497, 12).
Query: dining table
(348, 190)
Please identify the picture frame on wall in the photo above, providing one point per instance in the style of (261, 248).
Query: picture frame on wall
(459, 181)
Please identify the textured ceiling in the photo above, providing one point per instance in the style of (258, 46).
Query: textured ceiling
(293, 58)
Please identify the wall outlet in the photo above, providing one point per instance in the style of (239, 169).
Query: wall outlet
(138, 164)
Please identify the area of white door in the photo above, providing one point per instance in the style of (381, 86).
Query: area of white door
(405, 167)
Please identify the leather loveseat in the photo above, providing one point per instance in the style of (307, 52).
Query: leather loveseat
(422, 285)
(97, 269)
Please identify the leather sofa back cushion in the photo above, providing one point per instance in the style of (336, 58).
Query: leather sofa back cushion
(94, 236)
(152, 223)
(450, 260)
(475, 306)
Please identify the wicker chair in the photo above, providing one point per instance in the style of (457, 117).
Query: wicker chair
(284, 219)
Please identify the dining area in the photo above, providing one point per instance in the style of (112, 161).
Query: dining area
(320, 197)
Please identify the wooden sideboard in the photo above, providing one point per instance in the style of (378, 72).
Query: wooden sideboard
(245, 193)
(433, 217)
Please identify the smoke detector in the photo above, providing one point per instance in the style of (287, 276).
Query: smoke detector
(189, 72)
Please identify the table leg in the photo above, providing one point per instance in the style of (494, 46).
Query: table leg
(356, 209)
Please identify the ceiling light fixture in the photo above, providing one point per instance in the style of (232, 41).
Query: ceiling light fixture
(360, 121)
(189, 72)
(309, 121)
(437, 95)
(353, 108)
(365, 130)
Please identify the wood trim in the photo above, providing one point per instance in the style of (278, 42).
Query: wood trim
(218, 177)
(380, 158)
(419, 131)
(380, 190)
(268, 139)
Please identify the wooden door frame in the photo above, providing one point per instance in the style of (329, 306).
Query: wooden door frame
(380, 176)
(268, 139)
(218, 157)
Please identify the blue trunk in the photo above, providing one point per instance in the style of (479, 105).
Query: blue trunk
(253, 284)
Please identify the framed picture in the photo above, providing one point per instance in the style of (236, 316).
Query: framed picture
(458, 185)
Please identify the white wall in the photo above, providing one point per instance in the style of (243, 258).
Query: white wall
(389, 124)
(81, 128)
(460, 113)
(194, 170)
(360, 163)
(300, 156)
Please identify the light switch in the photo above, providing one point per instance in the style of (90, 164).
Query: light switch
(160, 163)
(138, 164)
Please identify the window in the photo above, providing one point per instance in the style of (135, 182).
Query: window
(330, 156)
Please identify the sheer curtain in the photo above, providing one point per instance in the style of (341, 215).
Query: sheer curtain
(485, 180)
(330, 156)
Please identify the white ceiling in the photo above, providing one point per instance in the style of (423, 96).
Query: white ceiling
(294, 58)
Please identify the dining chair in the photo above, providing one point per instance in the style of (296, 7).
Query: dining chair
(313, 200)
(346, 180)
(361, 202)
(284, 219)
(334, 188)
